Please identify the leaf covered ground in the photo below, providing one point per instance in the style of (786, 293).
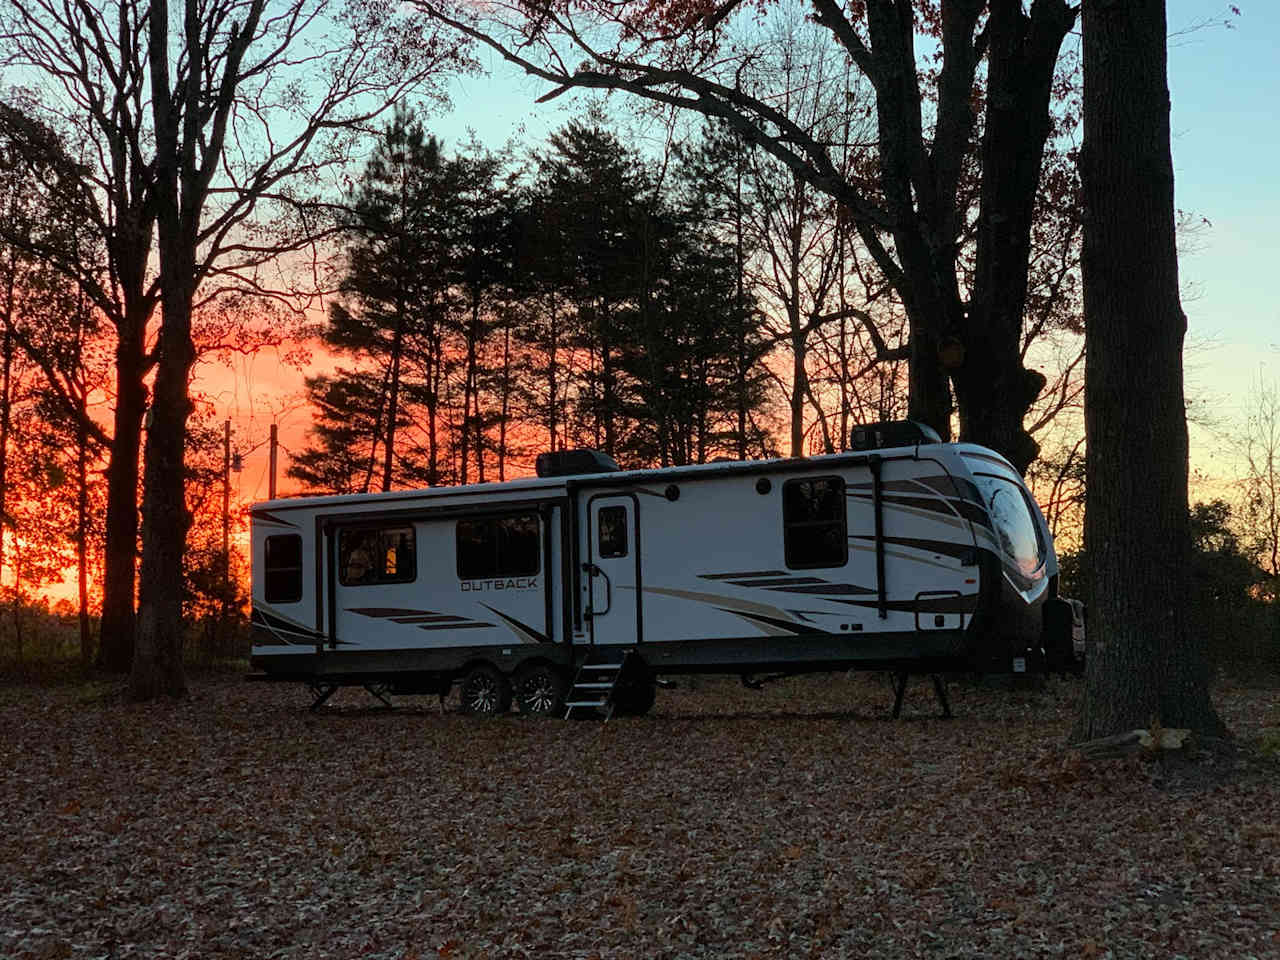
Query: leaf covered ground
(799, 821)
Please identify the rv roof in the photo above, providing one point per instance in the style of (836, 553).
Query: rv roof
(621, 478)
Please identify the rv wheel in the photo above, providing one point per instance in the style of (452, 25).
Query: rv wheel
(540, 689)
(484, 689)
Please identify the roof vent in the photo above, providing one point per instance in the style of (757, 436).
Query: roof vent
(891, 433)
(571, 463)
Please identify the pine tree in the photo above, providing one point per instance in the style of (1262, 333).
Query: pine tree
(713, 177)
(345, 433)
(595, 186)
(391, 317)
(483, 253)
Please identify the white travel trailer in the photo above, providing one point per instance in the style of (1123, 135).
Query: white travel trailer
(905, 554)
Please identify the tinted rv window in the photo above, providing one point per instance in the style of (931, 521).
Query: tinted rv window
(372, 555)
(282, 569)
(1014, 521)
(613, 532)
(814, 522)
(491, 547)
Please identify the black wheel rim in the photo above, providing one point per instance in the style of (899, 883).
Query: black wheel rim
(482, 695)
(540, 692)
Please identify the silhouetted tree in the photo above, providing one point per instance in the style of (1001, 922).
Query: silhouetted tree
(1149, 664)
(108, 260)
(347, 418)
(396, 292)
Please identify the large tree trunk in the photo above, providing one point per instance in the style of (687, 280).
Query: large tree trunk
(120, 550)
(6, 402)
(157, 660)
(743, 368)
(82, 535)
(131, 251)
(993, 389)
(1148, 663)
(923, 221)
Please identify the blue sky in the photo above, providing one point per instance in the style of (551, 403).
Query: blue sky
(1225, 90)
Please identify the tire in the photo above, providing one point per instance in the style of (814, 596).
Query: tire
(634, 698)
(540, 689)
(484, 690)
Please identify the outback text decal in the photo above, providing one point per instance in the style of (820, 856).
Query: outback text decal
(510, 583)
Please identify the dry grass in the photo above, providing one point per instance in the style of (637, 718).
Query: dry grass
(794, 822)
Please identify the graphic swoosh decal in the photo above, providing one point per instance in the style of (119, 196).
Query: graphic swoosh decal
(283, 629)
(525, 632)
(719, 600)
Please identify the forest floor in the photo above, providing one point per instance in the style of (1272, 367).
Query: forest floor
(799, 821)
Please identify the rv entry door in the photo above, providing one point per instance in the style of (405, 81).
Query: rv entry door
(613, 569)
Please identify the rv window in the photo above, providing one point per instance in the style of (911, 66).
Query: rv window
(373, 555)
(493, 547)
(612, 522)
(814, 521)
(282, 569)
(1014, 521)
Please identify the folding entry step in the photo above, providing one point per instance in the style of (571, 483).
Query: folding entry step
(597, 677)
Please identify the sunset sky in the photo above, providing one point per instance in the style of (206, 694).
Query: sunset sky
(1225, 86)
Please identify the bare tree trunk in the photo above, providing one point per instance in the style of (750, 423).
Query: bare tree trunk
(843, 351)
(993, 389)
(120, 550)
(740, 299)
(82, 535)
(469, 385)
(477, 420)
(372, 465)
(506, 403)
(799, 385)
(1148, 662)
(157, 660)
(82, 481)
(553, 387)
(608, 398)
(393, 402)
(795, 322)
(6, 401)
(434, 379)
(15, 605)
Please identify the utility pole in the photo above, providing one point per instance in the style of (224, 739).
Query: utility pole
(273, 446)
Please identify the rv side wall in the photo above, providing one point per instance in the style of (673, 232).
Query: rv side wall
(781, 567)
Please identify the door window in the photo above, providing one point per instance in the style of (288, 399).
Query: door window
(612, 523)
